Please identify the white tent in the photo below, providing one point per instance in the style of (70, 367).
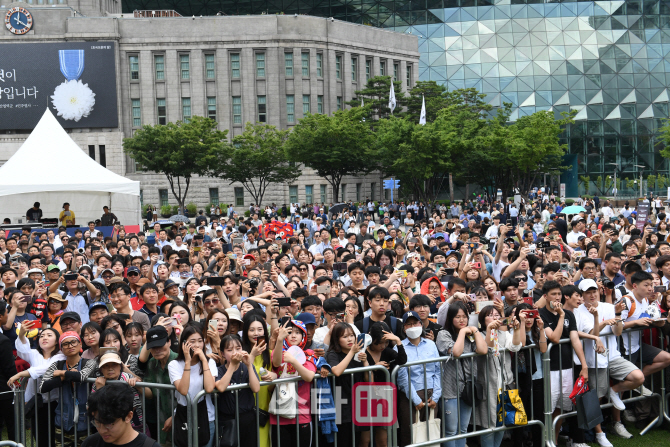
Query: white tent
(52, 169)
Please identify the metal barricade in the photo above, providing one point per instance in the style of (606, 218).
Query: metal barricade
(472, 358)
(48, 408)
(313, 417)
(551, 422)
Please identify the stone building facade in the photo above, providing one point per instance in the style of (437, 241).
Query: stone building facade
(271, 68)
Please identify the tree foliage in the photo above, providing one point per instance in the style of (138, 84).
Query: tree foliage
(375, 97)
(256, 159)
(179, 150)
(334, 146)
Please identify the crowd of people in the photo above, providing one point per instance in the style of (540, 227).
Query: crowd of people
(227, 301)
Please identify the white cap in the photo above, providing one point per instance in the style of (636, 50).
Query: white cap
(587, 284)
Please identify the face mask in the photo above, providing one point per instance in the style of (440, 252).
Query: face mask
(413, 332)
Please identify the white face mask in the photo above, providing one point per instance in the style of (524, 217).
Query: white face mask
(414, 332)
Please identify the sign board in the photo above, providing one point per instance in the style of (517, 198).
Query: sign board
(75, 80)
(562, 190)
(642, 214)
(391, 184)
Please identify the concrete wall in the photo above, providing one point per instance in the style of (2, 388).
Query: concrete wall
(271, 35)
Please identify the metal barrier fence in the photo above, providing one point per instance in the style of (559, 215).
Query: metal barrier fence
(547, 425)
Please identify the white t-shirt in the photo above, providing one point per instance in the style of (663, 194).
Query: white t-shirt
(573, 238)
(176, 370)
(585, 324)
(632, 343)
(497, 268)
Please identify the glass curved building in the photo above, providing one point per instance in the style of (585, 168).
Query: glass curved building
(608, 60)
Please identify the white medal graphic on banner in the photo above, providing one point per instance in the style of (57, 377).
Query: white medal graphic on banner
(72, 99)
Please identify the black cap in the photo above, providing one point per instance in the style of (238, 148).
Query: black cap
(70, 316)
(157, 336)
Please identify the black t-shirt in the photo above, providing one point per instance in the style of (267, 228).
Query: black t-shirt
(335, 358)
(537, 294)
(226, 400)
(140, 441)
(563, 351)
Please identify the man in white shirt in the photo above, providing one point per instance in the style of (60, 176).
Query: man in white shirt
(492, 232)
(578, 227)
(604, 320)
(607, 212)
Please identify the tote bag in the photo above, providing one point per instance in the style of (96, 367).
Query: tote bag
(422, 434)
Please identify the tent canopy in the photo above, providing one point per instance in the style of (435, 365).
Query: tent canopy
(51, 168)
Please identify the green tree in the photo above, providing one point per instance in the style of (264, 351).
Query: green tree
(375, 97)
(257, 159)
(334, 146)
(414, 154)
(586, 180)
(178, 150)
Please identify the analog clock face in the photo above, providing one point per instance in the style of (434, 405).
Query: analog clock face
(18, 20)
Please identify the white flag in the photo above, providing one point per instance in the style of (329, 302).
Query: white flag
(392, 99)
(362, 105)
(422, 118)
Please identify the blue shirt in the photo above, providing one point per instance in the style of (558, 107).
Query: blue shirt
(426, 350)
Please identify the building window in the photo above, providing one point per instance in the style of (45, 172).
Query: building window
(382, 68)
(354, 66)
(186, 109)
(262, 110)
(162, 112)
(293, 194)
(309, 197)
(290, 108)
(134, 68)
(288, 64)
(209, 66)
(319, 104)
(319, 65)
(373, 188)
(211, 107)
(343, 192)
(159, 66)
(103, 155)
(409, 76)
(305, 104)
(260, 65)
(339, 103)
(235, 65)
(137, 113)
(163, 196)
(338, 67)
(305, 64)
(239, 196)
(184, 63)
(359, 187)
(91, 151)
(368, 69)
(237, 110)
(141, 198)
(323, 193)
(214, 196)
(395, 72)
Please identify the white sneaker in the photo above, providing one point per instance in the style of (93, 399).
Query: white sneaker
(621, 431)
(644, 390)
(602, 441)
(579, 444)
(628, 416)
(616, 400)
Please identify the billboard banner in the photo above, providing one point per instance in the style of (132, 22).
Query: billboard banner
(76, 80)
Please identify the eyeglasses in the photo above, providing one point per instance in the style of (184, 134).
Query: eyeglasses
(303, 269)
(213, 301)
(100, 425)
(69, 344)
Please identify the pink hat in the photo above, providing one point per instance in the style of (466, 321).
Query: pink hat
(66, 335)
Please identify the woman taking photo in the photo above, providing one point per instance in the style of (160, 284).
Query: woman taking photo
(190, 373)
(40, 359)
(456, 339)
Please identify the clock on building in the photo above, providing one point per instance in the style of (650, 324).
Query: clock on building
(18, 20)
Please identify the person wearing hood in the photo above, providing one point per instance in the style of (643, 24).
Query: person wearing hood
(433, 288)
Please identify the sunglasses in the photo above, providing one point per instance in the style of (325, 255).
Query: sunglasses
(133, 274)
(212, 301)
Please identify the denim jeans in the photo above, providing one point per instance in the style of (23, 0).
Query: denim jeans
(450, 421)
(212, 433)
(491, 439)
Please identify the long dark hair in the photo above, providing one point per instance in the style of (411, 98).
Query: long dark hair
(338, 331)
(90, 326)
(56, 349)
(385, 252)
(123, 352)
(246, 343)
(451, 314)
(188, 331)
(361, 312)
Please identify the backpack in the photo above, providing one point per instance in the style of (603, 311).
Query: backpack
(366, 324)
